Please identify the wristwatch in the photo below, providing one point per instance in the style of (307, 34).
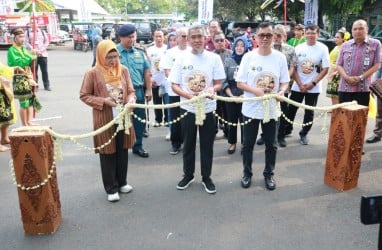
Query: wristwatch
(361, 77)
(314, 83)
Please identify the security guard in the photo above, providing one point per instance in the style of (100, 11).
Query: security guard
(134, 59)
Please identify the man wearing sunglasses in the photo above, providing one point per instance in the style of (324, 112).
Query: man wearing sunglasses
(213, 27)
(279, 43)
(262, 71)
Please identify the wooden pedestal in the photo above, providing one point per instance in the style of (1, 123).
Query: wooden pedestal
(32, 154)
(343, 159)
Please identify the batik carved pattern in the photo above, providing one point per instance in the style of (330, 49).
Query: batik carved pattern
(55, 191)
(25, 215)
(338, 144)
(15, 146)
(49, 215)
(39, 145)
(355, 153)
(29, 178)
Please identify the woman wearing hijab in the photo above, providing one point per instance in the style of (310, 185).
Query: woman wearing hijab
(105, 86)
(240, 47)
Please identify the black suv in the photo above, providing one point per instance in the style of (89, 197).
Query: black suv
(145, 31)
(106, 29)
(235, 29)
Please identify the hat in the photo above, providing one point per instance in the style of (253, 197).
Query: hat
(299, 26)
(126, 30)
(17, 31)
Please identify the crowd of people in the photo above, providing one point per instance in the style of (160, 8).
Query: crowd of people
(193, 61)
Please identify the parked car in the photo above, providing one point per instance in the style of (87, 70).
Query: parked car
(68, 28)
(327, 39)
(235, 29)
(106, 29)
(145, 31)
(64, 36)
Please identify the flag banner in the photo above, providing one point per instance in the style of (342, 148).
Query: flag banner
(311, 12)
(205, 11)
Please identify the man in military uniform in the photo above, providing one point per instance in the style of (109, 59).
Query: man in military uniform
(134, 59)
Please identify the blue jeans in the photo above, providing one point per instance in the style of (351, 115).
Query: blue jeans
(250, 135)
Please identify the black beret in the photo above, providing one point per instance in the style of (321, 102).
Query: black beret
(126, 30)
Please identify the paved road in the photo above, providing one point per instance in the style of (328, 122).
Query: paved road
(302, 213)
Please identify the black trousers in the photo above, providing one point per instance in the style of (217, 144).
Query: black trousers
(234, 115)
(175, 128)
(42, 62)
(114, 166)
(206, 140)
(250, 135)
(158, 100)
(361, 97)
(311, 100)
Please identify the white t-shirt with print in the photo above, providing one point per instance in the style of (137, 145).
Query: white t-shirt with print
(195, 74)
(309, 58)
(259, 71)
(155, 55)
(167, 62)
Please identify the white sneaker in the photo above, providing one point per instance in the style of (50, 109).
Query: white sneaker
(113, 197)
(126, 189)
(168, 136)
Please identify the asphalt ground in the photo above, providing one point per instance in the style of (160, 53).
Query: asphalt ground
(302, 213)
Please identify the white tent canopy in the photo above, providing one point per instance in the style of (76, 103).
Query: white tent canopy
(89, 6)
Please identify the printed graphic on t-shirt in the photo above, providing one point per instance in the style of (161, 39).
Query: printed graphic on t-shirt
(156, 64)
(307, 66)
(265, 81)
(197, 81)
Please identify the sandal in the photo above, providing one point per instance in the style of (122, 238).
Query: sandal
(5, 141)
(4, 148)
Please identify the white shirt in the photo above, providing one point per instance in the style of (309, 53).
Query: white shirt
(155, 54)
(167, 62)
(195, 74)
(309, 58)
(259, 71)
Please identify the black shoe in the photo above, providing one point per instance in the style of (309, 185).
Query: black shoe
(232, 149)
(303, 139)
(260, 141)
(246, 181)
(282, 142)
(142, 153)
(174, 150)
(145, 134)
(185, 182)
(48, 89)
(270, 183)
(373, 139)
(209, 186)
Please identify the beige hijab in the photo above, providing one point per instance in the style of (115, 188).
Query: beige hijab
(112, 75)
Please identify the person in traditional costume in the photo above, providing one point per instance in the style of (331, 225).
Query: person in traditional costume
(7, 106)
(106, 87)
(18, 55)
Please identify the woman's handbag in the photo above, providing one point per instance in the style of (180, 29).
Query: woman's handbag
(22, 87)
(376, 88)
(6, 114)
